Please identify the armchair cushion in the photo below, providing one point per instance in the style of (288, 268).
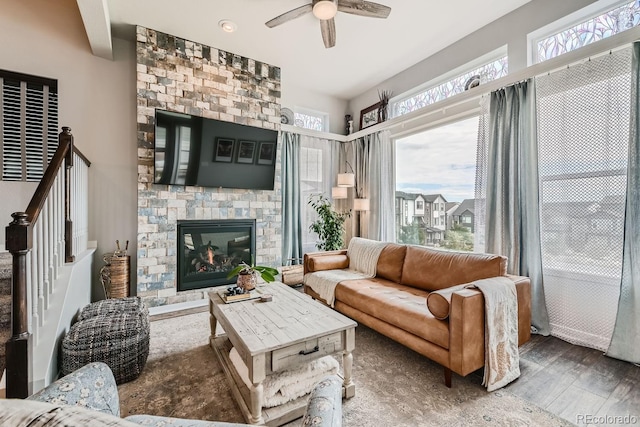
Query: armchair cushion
(92, 386)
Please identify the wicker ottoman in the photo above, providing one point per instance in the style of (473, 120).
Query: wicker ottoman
(113, 331)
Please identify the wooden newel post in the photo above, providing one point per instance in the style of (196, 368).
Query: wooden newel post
(66, 137)
(19, 242)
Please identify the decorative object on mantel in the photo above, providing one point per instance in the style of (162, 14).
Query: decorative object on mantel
(383, 111)
(326, 10)
(349, 124)
(114, 276)
(287, 117)
(472, 82)
(370, 116)
(248, 275)
(330, 224)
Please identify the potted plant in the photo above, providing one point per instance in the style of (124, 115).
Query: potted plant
(248, 275)
(330, 224)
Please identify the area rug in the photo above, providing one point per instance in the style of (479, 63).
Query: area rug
(394, 385)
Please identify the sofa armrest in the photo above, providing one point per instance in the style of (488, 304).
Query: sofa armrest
(324, 407)
(92, 386)
(330, 260)
(467, 320)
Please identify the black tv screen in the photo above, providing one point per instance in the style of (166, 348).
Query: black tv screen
(198, 151)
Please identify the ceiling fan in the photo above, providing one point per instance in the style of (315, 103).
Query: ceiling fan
(325, 11)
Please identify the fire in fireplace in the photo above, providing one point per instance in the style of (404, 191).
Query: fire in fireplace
(209, 250)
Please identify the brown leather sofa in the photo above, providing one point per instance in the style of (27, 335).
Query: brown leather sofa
(394, 302)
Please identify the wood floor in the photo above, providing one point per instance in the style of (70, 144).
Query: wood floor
(577, 383)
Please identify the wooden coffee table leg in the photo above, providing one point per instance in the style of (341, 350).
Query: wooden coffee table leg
(257, 396)
(347, 364)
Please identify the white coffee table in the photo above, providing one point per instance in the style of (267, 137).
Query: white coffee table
(271, 336)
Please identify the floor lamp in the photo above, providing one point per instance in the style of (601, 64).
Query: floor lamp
(360, 205)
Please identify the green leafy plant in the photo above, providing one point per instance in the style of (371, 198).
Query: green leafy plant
(268, 274)
(330, 224)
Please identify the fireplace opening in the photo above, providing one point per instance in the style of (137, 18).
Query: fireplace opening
(209, 250)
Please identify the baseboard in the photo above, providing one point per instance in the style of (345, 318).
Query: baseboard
(179, 309)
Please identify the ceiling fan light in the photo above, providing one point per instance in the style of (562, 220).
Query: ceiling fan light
(325, 9)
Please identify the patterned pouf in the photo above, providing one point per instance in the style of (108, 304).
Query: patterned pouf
(113, 331)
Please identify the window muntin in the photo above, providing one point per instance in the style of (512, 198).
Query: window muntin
(599, 27)
(486, 73)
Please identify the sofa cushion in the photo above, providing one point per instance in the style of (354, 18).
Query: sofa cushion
(432, 269)
(401, 306)
(390, 262)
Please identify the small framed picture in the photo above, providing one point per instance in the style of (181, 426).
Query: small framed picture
(267, 153)
(369, 116)
(246, 151)
(223, 150)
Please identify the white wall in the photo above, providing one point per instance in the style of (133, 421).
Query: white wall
(97, 100)
(21, 193)
(510, 30)
(293, 96)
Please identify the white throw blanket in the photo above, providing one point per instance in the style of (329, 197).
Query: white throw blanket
(324, 282)
(288, 385)
(363, 257)
(501, 360)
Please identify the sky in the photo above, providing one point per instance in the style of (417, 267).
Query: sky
(440, 160)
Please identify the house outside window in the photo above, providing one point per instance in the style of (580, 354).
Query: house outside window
(29, 125)
(615, 19)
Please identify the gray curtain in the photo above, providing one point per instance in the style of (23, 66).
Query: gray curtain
(626, 333)
(375, 179)
(291, 224)
(512, 223)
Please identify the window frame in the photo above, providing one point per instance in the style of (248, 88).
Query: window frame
(567, 22)
(323, 116)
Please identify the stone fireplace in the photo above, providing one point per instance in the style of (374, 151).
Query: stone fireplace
(209, 250)
(182, 76)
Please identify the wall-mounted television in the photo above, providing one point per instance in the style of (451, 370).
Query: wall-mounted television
(197, 151)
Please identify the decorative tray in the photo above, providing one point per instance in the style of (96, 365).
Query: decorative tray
(228, 299)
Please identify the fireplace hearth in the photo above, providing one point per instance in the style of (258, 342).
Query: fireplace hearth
(209, 250)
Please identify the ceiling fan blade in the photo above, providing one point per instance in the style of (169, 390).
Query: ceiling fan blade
(288, 16)
(364, 8)
(328, 29)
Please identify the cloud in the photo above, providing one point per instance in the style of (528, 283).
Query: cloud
(441, 159)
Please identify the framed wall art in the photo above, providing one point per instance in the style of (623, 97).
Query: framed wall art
(223, 151)
(246, 151)
(369, 116)
(267, 153)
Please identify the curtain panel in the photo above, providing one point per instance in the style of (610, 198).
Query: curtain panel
(507, 170)
(291, 203)
(374, 165)
(626, 332)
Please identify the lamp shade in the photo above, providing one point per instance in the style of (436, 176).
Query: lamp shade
(360, 204)
(346, 180)
(339, 192)
(325, 9)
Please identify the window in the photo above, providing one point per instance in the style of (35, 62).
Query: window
(29, 123)
(309, 119)
(420, 205)
(600, 26)
(450, 175)
(487, 72)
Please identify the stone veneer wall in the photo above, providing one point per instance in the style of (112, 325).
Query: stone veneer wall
(179, 75)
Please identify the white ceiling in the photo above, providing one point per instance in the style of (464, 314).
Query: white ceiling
(367, 52)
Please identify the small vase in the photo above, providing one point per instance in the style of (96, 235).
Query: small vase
(247, 281)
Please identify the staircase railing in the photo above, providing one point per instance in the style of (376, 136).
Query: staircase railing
(51, 232)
